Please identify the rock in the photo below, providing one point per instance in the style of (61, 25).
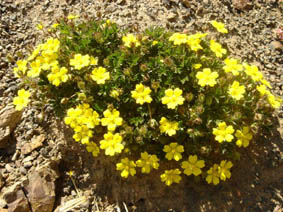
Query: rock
(15, 198)
(41, 187)
(276, 45)
(241, 4)
(171, 17)
(35, 143)
(9, 118)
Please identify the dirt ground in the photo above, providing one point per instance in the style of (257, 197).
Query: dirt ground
(257, 179)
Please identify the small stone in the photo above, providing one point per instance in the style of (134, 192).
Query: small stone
(35, 143)
(28, 164)
(276, 45)
(171, 17)
(8, 168)
(241, 4)
(23, 170)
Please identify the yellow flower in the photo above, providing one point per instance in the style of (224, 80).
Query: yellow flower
(213, 175)
(72, 116)
(193, 41)
(100, 75)
(147, 162)
(206, 77)
(54, 25)
(93, 61)
(275, 102)
(224, 169)
(220, 27)
(47, 61)
(217, 49)
(35, 52)
(197, 66)
(93, 148)
(39, 26)
(193, 166)
(231, 65)
(115, 94)
(141, 94)
(154, 42)
(82, 134)
(58, 75)
(21, 69)
(71, 17)
(178, 38)
(261, 89)
(265, 82)
(130, 40)
(171, 176)
(35, 69)
(253, 72)
(111, 119)
(236, 90)
(168, 127)
(50, 47)
(82, 115)
(173, 151)
(223, 132)
(127, 167)
(112, 143)
(173, 98)
(244, 136)
(22, 99)
(80, 61)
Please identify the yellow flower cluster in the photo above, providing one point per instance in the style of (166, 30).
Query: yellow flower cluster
(44, 57)
(82, 119)
(22, 99)
(130, 40)
(206, 77)
(193, 41)
(142, 94)
(173, 98)
(168, 127)
(217, 172)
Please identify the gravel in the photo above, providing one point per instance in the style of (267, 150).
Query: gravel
(251, 37)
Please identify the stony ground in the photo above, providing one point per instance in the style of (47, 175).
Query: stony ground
(36, 154)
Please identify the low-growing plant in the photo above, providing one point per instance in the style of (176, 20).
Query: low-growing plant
(149, 99)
